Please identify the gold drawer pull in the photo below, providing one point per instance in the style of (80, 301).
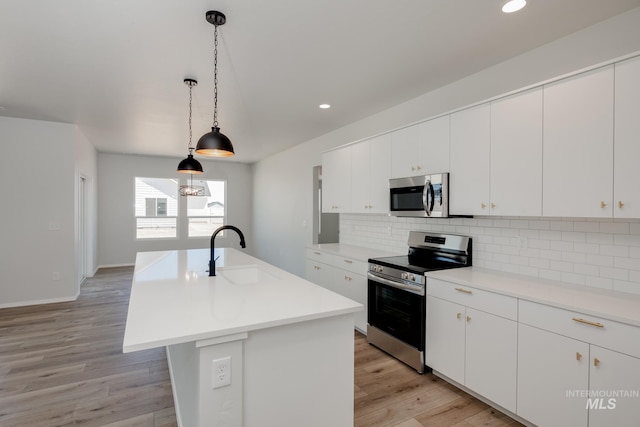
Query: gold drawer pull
(596, 324)
(620, 204)
(578, 356)
(468, 318)
(596, 361)
(348, 261)
(466, 291)
(458, 315)
(317, 253)
(347, 278)
(603, 205)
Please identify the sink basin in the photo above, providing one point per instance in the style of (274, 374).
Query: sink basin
(245, 274)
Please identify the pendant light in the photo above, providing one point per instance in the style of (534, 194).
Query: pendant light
(190, 165)
(215, 143)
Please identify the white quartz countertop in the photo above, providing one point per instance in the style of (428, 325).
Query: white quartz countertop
(173, 299)
(617, 306)
(350, 251)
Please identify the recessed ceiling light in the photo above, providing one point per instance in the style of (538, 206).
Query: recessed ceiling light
(513, 6)
(324, 106)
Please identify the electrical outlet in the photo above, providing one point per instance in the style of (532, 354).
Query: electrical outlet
(221, 369)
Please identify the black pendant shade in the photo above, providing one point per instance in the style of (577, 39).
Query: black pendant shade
(215, 144)
(190, 165)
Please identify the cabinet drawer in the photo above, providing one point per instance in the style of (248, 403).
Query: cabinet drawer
(350, 264)
(591, 329)
(319, 256)
(490, 302)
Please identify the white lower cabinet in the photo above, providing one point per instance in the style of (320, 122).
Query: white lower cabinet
(549, 367)
(471, 346)
(565, 374)
(341, 275)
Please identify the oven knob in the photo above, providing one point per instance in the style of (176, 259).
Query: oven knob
(403, 276)
(380, 268)
(412, 277)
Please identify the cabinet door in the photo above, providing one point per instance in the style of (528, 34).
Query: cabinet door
(550, 366)
(491, 357)
(379, 173)
(319, 273)
(445, 330)
(470, 148)
(360, 172)
(578, 146)
(404, 143)
(627, 140)
(516, 155)
(433, 145)
(353, 286)
(615, 372)
(336, 180)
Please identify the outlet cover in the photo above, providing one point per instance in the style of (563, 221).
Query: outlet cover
(221, 372)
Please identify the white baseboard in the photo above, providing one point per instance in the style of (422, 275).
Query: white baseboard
(40, 301)
(112, 266)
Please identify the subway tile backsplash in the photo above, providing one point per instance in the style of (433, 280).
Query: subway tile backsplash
(591, 252)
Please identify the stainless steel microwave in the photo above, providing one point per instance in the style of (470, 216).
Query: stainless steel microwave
(420, 196)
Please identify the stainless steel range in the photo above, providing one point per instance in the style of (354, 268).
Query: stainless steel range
(397, 293)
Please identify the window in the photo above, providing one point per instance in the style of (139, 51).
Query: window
(156, 208)
(206, 213)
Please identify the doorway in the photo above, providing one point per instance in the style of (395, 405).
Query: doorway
(326, 226)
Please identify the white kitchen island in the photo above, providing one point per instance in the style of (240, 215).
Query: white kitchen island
(289, 343)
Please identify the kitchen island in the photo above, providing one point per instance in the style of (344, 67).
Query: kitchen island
(284, 345)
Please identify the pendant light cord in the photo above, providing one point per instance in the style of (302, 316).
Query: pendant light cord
(215, 76)
(190, 115)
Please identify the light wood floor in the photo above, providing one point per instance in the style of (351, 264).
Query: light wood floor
(62, 364)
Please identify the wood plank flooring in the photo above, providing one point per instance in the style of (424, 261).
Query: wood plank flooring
(62, 365)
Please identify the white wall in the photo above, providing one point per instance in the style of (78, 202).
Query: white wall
(286, 178)
(117, 244)
(38, 226)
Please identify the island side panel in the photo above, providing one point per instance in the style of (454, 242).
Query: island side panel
(300, 374)
(183, 360)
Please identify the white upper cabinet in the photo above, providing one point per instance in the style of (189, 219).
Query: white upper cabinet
(421, 149)
(370, 173)
(516, 155)
(470, 161)
(336, 180)
(578, 145)
(627, 139)
(404, 161)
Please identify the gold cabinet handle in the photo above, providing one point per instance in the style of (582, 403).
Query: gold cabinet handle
(347, 278)
(348, 261)
(578, 356)
(493, 205)
(620, 204)
(317, 253)
(596, 361)
(483, 205)
(468, 318)
(316, 267)
(458, 315)
(603, 205)
(588, 322)
(465, 291)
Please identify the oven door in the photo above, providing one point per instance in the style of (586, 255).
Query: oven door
(397, 309)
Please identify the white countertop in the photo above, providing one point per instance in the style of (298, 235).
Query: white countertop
(617, 306)
(351, 251)
(173, 299)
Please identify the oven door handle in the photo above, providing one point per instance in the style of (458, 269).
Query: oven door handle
(396, 285)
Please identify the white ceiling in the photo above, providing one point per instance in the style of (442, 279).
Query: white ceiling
(116, 67)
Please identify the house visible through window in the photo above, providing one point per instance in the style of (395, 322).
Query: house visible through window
(206, 213)
(156, 208)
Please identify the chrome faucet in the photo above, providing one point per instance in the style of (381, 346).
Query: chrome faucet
(212, 261)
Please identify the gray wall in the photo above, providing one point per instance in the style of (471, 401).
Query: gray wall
(117, 244)
(41, 163)
(281, 234)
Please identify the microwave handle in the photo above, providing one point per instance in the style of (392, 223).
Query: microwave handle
(428, 197)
